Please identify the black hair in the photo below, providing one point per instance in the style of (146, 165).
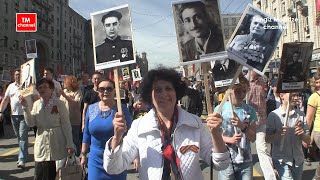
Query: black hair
(96, 72)
(43, 81)
(162, 73)
(110, 81)
(111, 14)
(296, 52)
(197, 4)
(49, 69)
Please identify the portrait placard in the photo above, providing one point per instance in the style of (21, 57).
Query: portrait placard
(223, 72)
(31, 48)
(27, 78)
(112, 37)
(255, 39)
(125, 73)
(122, 94)
(195, 39)
(294, 66)
(136, 75)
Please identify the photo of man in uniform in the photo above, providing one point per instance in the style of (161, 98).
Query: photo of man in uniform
(253, 47)
(294, 70)
(294, 66)
(27, 78)
(31, 48)
(205, 36)
(114, 46)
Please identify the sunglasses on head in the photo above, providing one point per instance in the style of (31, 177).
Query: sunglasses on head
(103, 89)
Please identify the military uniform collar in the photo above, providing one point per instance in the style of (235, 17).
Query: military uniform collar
(107, 40)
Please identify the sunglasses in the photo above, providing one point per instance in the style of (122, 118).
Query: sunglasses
(103, 89)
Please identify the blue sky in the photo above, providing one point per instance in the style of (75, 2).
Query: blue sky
(153, 24)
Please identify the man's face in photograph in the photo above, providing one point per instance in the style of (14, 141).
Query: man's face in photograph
(111, 26)
(195, 22)
(295, 57)
(257, 26)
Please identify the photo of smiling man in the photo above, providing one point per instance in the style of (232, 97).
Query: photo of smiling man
(198, 29)
(253, 43)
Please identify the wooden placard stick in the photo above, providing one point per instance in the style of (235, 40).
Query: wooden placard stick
(286, 120)
(225, 97)
(235, 128)
(206, 87)
(116, 81)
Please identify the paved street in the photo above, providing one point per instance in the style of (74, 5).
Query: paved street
(9, 170)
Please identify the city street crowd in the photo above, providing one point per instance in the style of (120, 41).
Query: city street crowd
(159, 127)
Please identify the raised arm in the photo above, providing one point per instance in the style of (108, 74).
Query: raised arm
(120, 152)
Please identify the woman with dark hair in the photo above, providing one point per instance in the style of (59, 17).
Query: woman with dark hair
(168, 140)
(54, 137)
(98, 129)
(71, 96)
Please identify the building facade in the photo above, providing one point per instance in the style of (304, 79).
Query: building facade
(300, 19)
(60, 36)
(230, 22)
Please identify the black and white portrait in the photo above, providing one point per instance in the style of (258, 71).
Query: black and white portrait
(136, 76)
(223, 71)
(31, 48)
(112, 37)
(255, 39)
(27, 79)
(294, 66)
(125, 73)
(198, 29)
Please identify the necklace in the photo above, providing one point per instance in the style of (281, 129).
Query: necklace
(105, 111)
(105, 114)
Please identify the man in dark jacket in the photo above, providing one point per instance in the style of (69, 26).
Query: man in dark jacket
(192, 102)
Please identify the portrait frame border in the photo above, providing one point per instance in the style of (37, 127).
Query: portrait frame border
(240, 59)
(206, 57)
(114, 63)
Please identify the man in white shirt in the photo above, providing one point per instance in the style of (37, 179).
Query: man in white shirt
(48, 74)
(19, 125)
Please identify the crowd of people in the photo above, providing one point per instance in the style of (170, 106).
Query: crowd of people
(159, 128)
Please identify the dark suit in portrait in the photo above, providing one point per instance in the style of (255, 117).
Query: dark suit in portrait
(192, 51)
(136, 74)
(222, 71)
(27, 83)
(294, 72)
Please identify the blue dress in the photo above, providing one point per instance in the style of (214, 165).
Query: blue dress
(98, 130)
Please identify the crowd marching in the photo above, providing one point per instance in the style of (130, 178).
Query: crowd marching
(159, 128)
